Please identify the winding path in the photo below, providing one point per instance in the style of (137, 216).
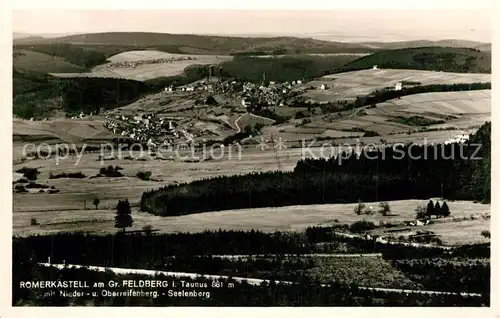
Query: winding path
(249, 114)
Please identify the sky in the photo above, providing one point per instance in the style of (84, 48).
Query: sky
(340, 25)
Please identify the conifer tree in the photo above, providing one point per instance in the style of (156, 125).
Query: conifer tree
(437, 209)
(123, 218)
(445, 210)
(430, 209)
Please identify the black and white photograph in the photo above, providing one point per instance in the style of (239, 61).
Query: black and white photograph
(251, 158)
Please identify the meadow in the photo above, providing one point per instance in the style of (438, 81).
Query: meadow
(349, 85)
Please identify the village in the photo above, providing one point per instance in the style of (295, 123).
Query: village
(124, 64)
(154, 130)
(150, 129)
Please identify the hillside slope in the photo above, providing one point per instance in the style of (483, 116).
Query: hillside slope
(426, 43)
(459, 60)
(41, 62)
(185, 43)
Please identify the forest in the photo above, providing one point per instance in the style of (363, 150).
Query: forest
(283, 69)
(151, 251)
(453, 171)
(93, 93)
(37, 95)
(307, 293)
(187, 252)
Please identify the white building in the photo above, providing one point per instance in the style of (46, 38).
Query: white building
(323, 87)
(398, 86)
(299, 82)
(457, 139)
(375, 67)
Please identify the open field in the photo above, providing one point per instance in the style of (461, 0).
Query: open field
(147, 55)
(65, 130)
(252, 120)
(456, 232)
(349, 85)
(443, 103)
(142, 72)
(64, 211)
(463, 110)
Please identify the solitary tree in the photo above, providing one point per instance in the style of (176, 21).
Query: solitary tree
(385, 208)
(31, 175)
(96, 203)
(359, 209)
(123, 218)
(421, 212)
(148, 229)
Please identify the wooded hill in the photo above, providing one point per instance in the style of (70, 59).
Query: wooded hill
(203, 44)
(454, 171)
(458, 60)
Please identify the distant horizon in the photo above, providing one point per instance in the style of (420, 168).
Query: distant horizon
(332, 25)
(319, 36)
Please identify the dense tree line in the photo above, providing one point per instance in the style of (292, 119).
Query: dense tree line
(75, 175)
(33, 93)
(454, 171)
(191, 73)
(380, 96)
(90, 94)
(459, 60)
(37, 95)
(440, 274)
(283, 69)
(147, 251)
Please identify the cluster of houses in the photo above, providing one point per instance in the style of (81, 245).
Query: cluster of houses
(274, 94)
(149, 129)
(82, 115)
(226, 87)
(231, 88)
(153, 61)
